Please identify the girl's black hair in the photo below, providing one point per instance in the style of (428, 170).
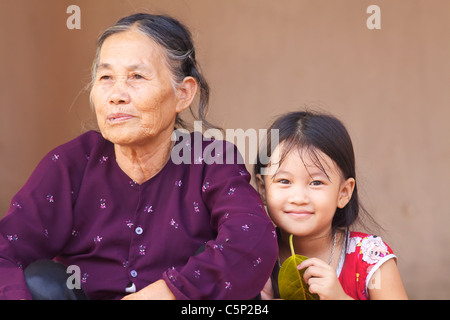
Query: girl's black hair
(309, 132)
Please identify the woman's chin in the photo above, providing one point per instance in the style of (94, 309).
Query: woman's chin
(121, 136)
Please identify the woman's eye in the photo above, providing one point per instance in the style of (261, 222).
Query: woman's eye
(137, 76)
(105, 77)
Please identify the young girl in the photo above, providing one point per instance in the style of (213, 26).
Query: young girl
(310, 190)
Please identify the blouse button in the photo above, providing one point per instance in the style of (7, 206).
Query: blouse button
(133, 273)
(139, 230)
(131, 288)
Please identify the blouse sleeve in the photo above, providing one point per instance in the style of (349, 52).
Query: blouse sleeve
(236, 264)
(37, 223)
(365, 254)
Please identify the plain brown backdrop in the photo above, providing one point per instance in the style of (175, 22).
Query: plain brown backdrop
(263, 58)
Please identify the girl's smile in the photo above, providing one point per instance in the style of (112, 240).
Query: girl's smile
(299, 214)
(302, 195)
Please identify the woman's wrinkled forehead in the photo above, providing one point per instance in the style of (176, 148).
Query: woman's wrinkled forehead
(116, 37)
(132, 40)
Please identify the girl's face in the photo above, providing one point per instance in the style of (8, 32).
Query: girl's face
(301, 199)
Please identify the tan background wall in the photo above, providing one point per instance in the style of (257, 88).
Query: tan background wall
(262, 58)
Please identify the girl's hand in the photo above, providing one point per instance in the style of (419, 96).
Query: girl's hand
(322, 280)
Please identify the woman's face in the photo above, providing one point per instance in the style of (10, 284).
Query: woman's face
(132, 92)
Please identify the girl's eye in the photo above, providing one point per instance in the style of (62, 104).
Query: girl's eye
(284, 181)
(316, 183)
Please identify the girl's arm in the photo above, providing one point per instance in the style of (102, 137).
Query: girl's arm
(386, 283)
(267, 291)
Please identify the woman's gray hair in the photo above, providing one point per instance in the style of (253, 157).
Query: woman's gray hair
(176, 40)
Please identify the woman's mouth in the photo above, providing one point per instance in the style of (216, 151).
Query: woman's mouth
(118, 117)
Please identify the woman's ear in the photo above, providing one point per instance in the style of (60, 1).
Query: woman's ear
(346, 192)
(186, 92)
(261, 187)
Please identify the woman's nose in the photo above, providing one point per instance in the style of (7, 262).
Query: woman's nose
(119, 93)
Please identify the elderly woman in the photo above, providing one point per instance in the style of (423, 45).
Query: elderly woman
(115, 205)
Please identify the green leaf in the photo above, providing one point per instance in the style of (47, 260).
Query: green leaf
(291, 284)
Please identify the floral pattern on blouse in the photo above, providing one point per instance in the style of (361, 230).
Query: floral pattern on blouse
(364, 255)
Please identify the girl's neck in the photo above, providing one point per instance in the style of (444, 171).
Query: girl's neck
(323, 247)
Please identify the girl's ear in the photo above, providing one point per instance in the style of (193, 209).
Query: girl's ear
(346, 192)
(261, 187)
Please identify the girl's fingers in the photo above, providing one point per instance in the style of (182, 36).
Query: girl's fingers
(310, 262)
(315, 268)
(313, 272)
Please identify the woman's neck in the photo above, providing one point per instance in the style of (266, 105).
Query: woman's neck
(144, 161)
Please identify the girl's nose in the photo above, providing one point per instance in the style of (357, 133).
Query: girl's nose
(298, 196)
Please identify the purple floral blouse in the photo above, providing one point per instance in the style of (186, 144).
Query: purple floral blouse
(79, 208)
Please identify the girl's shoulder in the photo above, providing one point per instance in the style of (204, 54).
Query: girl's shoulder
(365, 253)
(371, 248)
